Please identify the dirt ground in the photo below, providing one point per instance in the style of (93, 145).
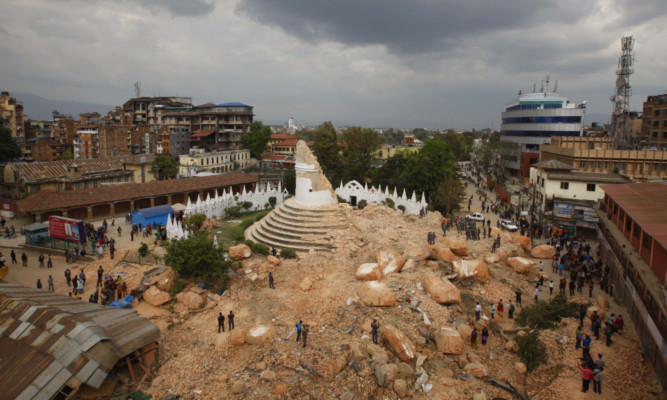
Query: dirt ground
(200, 363)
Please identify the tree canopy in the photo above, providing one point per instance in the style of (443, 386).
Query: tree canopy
(257, 139)
(9, 150)
(67, 155)
(360, 146)
(197, 257)
(166, 165)
(326, 151)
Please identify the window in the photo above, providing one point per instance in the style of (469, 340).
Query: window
(582, 164)
(636, 231)
(599, 165)
(590, 187)
(622, 166)
(646, 243)
(628, 224)
(565, 185)
(606, 165)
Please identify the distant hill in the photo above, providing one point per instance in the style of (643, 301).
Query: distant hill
(39, 108)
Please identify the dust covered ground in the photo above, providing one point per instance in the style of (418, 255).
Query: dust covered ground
(340, 360)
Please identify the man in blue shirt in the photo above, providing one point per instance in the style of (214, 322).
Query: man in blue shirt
(298, 331)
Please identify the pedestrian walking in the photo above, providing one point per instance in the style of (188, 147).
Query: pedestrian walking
(271, 281)
(100, 275)
(517, 292)
(230, 320)
(24, 259)
(49, 263)
(39, 284)
(13, 255)
(478, 311)
(485, 336)
(68, 277)
(586, 346)
(221, 322)
(493, 310)
(598, 376)
(586, 375)
(41, 260)
(510, 309)
(577, 335)
(537, 292)
(50, 282)
(298, 330)
(473, 338)
(374, 328)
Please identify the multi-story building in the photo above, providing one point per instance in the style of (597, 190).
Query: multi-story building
(654, 121)
(21, 179)
(287, 147)
(93, 141)
(173, 141)
(214, 127)
(149, 110)
(198, 160)
(569, 197)
(595, 154)
(11, 115)
(632, 232)
(388, 150)
(532, 120)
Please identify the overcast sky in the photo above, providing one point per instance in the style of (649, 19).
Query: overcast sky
(402, 63)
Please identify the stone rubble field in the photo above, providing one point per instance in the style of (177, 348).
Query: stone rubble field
(422, 296)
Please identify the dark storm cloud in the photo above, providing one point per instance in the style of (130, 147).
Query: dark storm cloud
(180, 8)
(407, 27)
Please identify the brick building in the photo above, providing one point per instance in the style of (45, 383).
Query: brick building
(11, 115)
(632, 231)
(120, 199)
(654, 121)
(594, 154)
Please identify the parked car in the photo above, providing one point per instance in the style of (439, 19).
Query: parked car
(475, 217)
(508, 226)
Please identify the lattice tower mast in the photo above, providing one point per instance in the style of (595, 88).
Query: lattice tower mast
(621, 99)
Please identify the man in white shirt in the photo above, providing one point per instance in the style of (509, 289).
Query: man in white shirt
(537, 292)
(478, 311)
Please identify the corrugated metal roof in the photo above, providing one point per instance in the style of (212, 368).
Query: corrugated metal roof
(47, 338)
(53, 169)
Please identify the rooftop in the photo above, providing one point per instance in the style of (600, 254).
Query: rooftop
(645, 203)
(553, 164)
(233, 105)
(48, 338)
(52, 200)
(293, 142)
(54, 169)
(591, 177)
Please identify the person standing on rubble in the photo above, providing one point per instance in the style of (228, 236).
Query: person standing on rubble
(221, 322)
(374, 327)
(271, 281)
(230, 320)
(298, 331)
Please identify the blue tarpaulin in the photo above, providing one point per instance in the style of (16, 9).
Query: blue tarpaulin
(123, 303)
(152, 216)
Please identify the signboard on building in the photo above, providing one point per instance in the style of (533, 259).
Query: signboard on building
(71, 230)
(563, 210)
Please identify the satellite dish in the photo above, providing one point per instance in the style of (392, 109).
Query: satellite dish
(612, 98)
(619, 98)
(621, 81)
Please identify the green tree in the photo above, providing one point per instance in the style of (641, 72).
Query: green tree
(67, 155)
(257, 139)
(166, 165)
(196, 221)
(360, 146)
(289, 181)
(532, 353)
(326, 151)
(449, 195)
(9, 150)
(197, 257)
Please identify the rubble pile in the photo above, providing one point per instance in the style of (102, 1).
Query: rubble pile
(422, 296)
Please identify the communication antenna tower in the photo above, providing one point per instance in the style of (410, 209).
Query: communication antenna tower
(137, 89)
(621, 98)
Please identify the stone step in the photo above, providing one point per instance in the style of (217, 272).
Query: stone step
(305, 216)
(256, 234)
(292, 229)
(303, 225)
(292, 206)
